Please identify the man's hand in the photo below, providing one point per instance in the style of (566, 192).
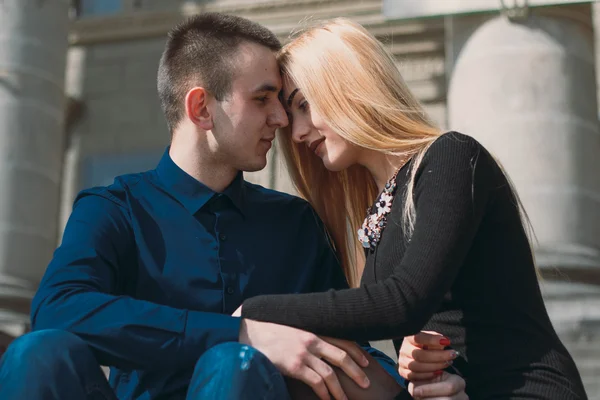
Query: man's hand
(383, 385)
(442, 387)
(302, 355)
(422, 356)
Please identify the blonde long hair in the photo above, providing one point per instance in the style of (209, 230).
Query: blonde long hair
(350, 79)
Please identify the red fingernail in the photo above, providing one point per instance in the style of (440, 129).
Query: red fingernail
(438, 373)
(445, 342)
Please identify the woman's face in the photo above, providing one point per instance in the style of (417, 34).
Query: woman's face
(310, 129)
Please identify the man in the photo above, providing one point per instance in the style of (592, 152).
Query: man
(151, 267)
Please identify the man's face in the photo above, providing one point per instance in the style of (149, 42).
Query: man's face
(244, 123)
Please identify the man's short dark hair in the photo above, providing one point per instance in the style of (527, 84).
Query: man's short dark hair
(199, 52)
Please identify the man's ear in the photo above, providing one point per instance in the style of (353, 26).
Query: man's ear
(196, 108)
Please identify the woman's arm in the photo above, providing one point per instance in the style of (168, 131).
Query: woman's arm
(451, 193)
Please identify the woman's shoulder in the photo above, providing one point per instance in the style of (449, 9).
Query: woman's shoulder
(456, 149)
(454, 155)
(455, 141)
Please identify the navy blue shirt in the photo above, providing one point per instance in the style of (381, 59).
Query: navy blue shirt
(151, 268)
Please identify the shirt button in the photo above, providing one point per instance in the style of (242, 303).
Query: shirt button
(223, 237)
(230, 290)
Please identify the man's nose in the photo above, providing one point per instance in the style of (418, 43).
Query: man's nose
(279, 116)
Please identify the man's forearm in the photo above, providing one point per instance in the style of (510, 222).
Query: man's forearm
(130, 333)
(383, 386)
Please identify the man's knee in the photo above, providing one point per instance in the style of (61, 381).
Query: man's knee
(45, 347)
(234, 356)
(236, 371)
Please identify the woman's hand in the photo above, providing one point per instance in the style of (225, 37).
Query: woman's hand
(443, 387)
(422, 356)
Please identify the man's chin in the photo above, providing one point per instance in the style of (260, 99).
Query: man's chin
(255, 167)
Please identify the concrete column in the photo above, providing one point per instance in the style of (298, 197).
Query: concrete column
(527, 90)
(33, 46)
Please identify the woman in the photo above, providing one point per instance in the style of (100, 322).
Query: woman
(445, 245)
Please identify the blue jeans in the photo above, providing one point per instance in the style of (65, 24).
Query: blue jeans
(54, 364)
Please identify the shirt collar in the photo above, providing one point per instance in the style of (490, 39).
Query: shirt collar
(191, 193)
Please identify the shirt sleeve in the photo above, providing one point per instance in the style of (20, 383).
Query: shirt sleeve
(79, 293)
(451, 192)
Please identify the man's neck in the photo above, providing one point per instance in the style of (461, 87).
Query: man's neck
(188, 156)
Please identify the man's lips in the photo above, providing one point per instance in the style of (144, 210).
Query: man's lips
(268, 141)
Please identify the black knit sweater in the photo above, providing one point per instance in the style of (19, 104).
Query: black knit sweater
(466, 272)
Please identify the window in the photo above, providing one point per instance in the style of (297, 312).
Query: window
(100, 170)
(89, 8)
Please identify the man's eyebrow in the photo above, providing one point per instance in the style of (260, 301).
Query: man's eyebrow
(267, 87)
